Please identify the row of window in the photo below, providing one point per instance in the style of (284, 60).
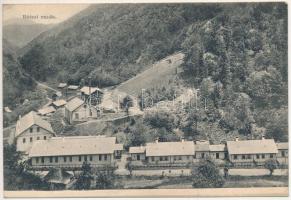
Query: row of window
(70, 158)
(31, 139)
(258, 156)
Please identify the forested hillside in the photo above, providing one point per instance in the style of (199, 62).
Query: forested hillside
(16, 82)
(113, 43)
(236, 54)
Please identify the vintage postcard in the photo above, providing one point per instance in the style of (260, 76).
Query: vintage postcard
(145, 99)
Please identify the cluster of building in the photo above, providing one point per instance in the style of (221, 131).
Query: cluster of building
(244, 152)
(82, 106)
(36, 138)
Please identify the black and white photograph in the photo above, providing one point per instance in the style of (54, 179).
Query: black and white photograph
(145, 97)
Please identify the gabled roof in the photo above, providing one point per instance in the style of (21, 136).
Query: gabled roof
(86, 91)
(74, 103)
(62, 85)
(59, 103)
(73, 87)
(75, 145)
(252, 146)
(46, 110)
(217, 147)
(282, 145)
(140, 149)
(202, 145)
(31, 119)
(170, 148)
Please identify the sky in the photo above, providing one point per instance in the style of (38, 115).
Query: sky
(53, 13)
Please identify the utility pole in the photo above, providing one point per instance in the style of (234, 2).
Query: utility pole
(89, 92)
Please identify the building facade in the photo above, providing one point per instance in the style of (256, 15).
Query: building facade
(73, 151)
(76, 110)
(31, 128)
(250, 152)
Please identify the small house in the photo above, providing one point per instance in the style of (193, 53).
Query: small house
(46, 111)
(59, 103)
(170, 152)
(94, 92)
(137, 153)
(77, 110)
(202, 149)
(62, 85)
(218, 152)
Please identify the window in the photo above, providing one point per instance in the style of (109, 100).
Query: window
(188, 157)
(31, 130)
(44, 137)
(37, 138)
(217, 155)
(105, 157)
(65, 159)
(37, 160)
(80, 158)
(243, 157)
(166, 158)
(202, 155)
(85, 158)
(263, 156)
(37, 129)
(194, 156)
(100, 157)
(91, 113)
(91, 158)
(180, 157)
(51, 159)
(271, 155)
(138, 157)
(85, 106)
(56, 159)
(71, 158)
(42, 159)
(258, 156)
(161, 158)
(30, 139)
(235, 157)
(153, 159)
(249, 156)
(77, 115)
(23, 140)
(283, 153)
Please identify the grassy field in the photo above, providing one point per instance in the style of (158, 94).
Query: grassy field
(158, 182)
(156, 76)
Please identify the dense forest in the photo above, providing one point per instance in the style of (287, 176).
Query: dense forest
(236, 54)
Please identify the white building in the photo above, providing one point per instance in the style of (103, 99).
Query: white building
(29, 129)
(73, 151)
(251, 151)
(76, 110)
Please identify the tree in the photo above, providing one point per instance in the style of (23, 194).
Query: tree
(84, 180)
(105, 179)
(271, 165)
(207, 175)
(127, 103)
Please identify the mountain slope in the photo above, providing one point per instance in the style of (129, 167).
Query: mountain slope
(15, 81)
(19, 34)
(111, 42)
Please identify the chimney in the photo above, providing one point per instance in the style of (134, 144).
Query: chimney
(236, 138)
(263, 137)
